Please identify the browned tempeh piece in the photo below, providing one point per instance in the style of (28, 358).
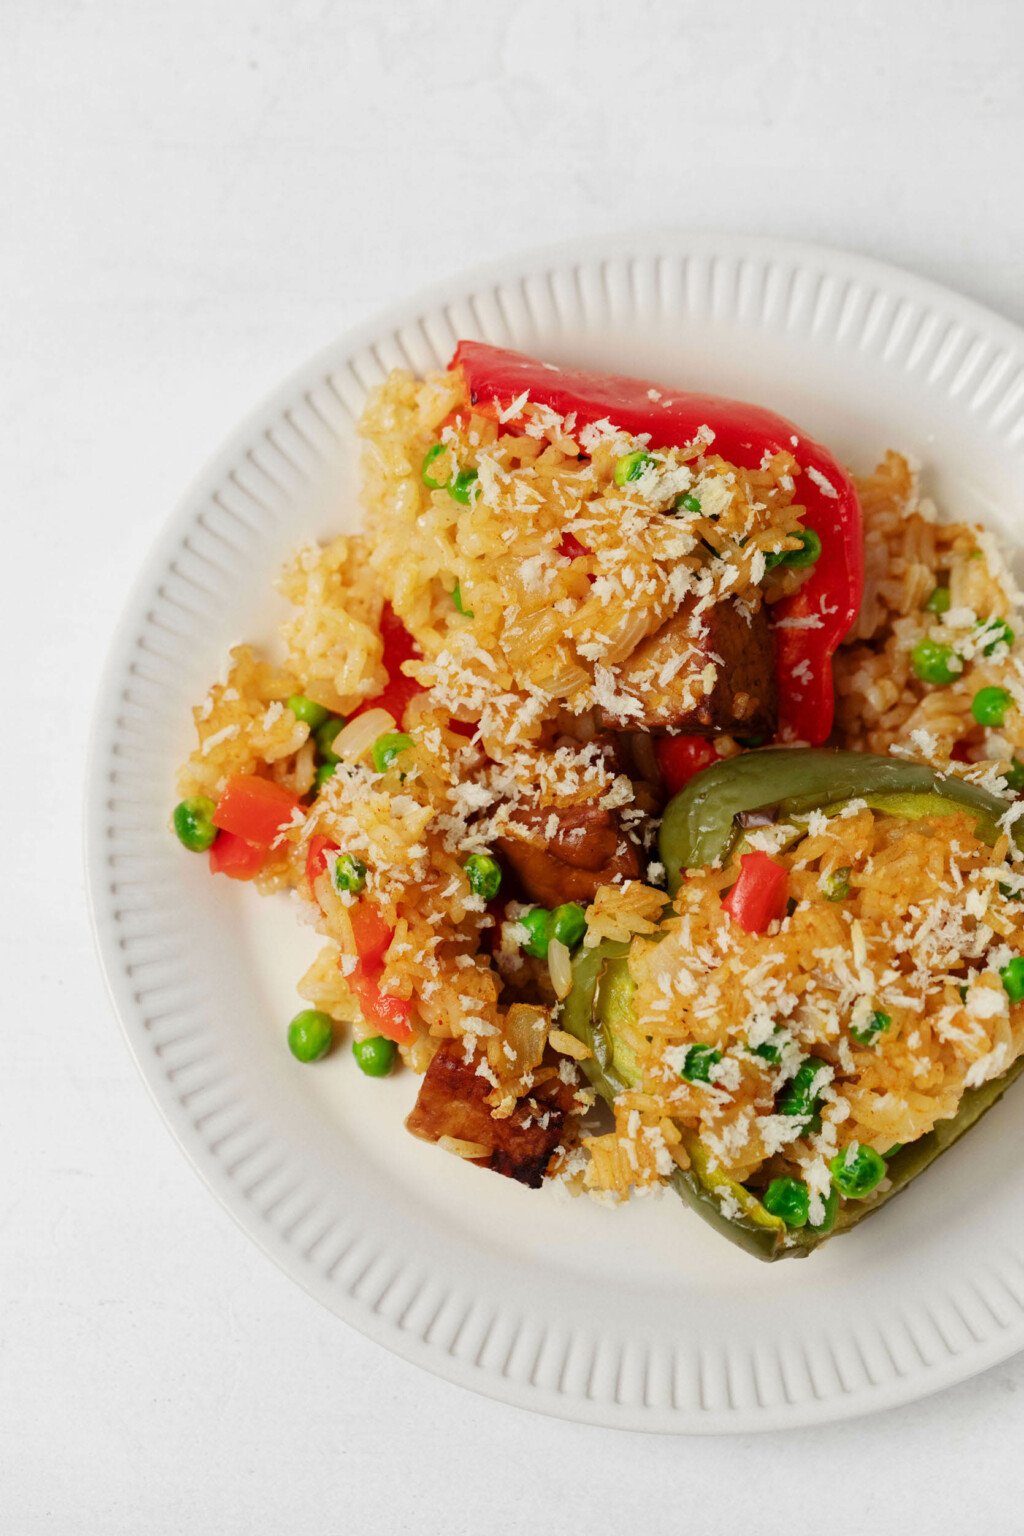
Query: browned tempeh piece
(744, 697)
(565, 855)
(451, 1102)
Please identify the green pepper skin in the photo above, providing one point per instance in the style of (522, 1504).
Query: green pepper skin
(751, 1226)
(601, 992)
(699, 825)
(601, 989)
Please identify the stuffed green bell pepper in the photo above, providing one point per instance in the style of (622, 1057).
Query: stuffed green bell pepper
(834, 996)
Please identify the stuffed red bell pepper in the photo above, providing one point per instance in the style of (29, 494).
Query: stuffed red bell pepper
(807, 625)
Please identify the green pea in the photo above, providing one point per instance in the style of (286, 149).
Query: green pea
(375, 1056)
(324, 735)
(790, 1199)
(537, 922)
(827, 1221)
(857, 1171)
(387, 747)
(797, 559)
(1014, 776)
(935, 663)
(324, 772)
(836, 886)
(460, 607)
(308, 711)
(568, 924)
(939, 600)
(769, 1050)
(430, 458)
(461, 488)
(809, 552)
(193, 823)
(484, 875)
(867, 1034)
(1012, 978)
(310, 1034)
(349, 874)
(798, 1098)
(697, 1063)
(631, 466)
(989, 706)
(687, 503)
(998, 633)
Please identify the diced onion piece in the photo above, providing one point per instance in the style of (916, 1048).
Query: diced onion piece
(565, 1044)
(354, 740)
(469, 1149)
(525, 1031)
(560, 968)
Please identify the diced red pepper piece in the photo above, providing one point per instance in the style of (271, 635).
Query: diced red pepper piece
(396, 697)
(232, 856)
(680, 757)
(371, 933)
(254, 808)
(399, 646)
(316, 857)
(760, 894)
(388, 1014)
(827, 603)
(571, 547)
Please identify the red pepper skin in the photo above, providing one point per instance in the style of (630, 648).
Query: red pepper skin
(316, 858)
(371, 933)
(399, 646)
(680, 757)
(232, 856)
(760, 894)
(571, 547)
(743, 434)
(388, 1014)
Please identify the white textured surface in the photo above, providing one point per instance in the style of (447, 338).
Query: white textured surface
(197, 197)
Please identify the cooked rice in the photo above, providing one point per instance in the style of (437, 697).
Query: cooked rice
(881, 703)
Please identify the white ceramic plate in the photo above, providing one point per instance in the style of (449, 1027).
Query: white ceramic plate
(639, 1317)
